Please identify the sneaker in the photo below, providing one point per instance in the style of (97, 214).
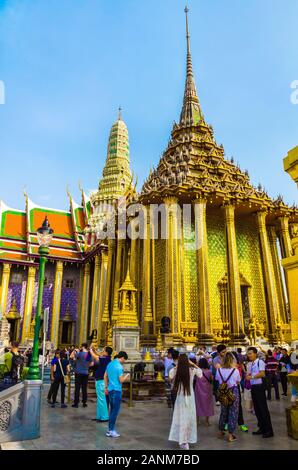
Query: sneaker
(108, 433)
(85, 405)
(243, 428)
(63, 405)
(217, 403)
(53, 405)
(184, 446)
(75, 406)
(114, 434)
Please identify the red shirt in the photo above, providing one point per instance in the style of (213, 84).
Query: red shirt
(271, 365)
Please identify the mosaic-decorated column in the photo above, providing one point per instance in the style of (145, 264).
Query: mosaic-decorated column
(133, 253)
(56, 304)
(147, 315)
(268, 272)
(28, 304)
(117, 278)
(4, 288)
(286, 246)
(109, 293)
(173, 277)
(95, 293)
(236, 315)
(85, 304)
(204, 320)
(102, 294)
(272, 237)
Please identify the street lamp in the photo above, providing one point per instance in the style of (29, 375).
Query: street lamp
(44, 237)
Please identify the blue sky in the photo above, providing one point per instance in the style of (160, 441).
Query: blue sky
(68, 64)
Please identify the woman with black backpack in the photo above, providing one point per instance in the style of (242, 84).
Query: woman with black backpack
(228, 395)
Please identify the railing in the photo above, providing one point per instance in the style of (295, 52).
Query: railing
(143, 386)
(20, 411)
(11, 413)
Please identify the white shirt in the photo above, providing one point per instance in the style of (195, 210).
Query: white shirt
(254, 368)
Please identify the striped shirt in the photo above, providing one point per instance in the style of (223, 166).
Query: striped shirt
(271, 365)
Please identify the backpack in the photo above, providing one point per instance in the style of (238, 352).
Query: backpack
(225, 394)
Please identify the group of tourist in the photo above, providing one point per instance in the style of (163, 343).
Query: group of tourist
(198, 381)
(108, 374)
(195, 382)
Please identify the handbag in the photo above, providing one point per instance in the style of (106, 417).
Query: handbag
(66, 377)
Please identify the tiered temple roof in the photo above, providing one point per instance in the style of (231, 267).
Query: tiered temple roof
(194, 165)
(18, 240)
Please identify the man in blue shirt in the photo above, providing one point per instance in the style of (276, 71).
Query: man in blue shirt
(114, 377)
(82, 364)
(101, 362)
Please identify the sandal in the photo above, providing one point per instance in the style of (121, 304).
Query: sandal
(232, 438)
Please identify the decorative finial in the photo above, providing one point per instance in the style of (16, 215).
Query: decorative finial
(191, 111)
(119, 113)
(186, 10)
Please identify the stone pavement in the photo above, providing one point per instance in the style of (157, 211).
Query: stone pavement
(145, 426)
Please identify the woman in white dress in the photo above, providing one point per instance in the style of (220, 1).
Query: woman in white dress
(184, 423)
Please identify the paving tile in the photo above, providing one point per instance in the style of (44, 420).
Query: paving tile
(145, 427)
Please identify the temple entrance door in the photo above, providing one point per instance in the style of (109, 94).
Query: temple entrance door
(66, 333)
(14, 329)
(245, 307)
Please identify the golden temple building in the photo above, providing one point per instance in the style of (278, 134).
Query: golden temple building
(215, 276)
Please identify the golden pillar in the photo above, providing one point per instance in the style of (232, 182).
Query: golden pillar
(290, 266)
(272, 236)
(95, 295)
(204, 320)
(234, 289)
(133, 252)
(106, 327)
(4, 287)
(117, 277)
(147, 315)
(28, 304)
(285, 239)
(269, 278)
(85, 304)
(173, 276)
(56, 304)
(102, 294)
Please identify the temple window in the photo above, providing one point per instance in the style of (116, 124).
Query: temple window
(16, 278)
(69, 283)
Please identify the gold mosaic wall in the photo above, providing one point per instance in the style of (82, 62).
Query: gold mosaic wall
(191, 306)
(249, 258)
(216, 259)
(160, 278)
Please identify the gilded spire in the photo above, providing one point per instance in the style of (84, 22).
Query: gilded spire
(116, 176)
(191, 113)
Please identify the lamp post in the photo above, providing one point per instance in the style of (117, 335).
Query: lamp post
(44, 236)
